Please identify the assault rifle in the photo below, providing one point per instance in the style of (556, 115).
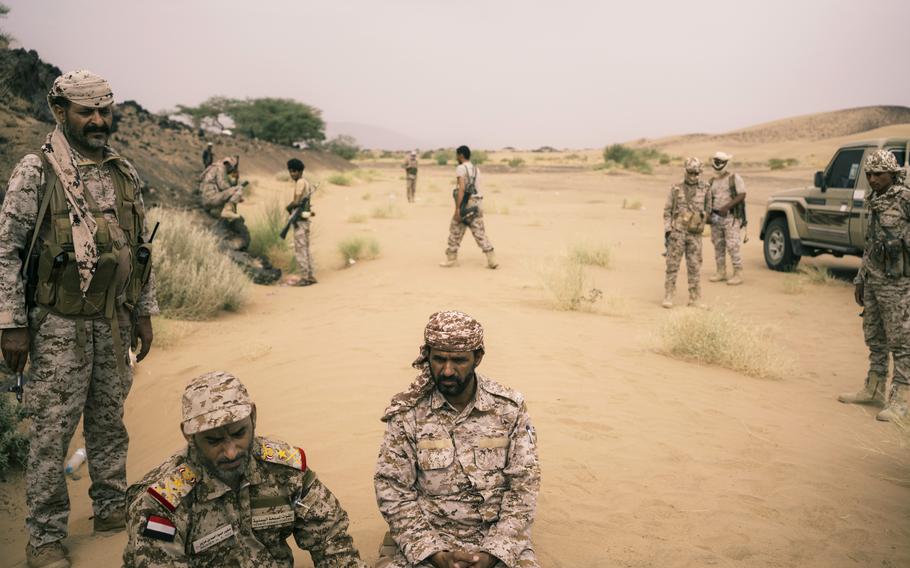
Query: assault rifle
(297, 213)
(15, 386)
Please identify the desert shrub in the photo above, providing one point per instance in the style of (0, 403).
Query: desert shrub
(793, 284)
(13, 443)
(443, 157)
(357, 218)
(387, 154)
(592, 254)
(633, 204)
(367, 196)
(366, 175)
(779, 164)
(664, 160)
(479, 157)
(428, 155)
(358, 247)
(169, 333)
(195, 279)
(516, 163)
(265, 231)
(819, 276)
(387, 211)
(366, 155)
(343, 146)
(636, 159)
(567, 286)
(339, 179)
(718, 338)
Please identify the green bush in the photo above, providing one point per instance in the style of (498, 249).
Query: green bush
(516, 163)
(443, 156)
(195, 279)
(636, 159)
(265, 231)
(339, 179)
(479, 157)
(13, 443)
(358, 247)
(343, 146)
(428, 155)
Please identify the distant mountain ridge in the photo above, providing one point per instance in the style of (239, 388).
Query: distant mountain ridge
(375, 137)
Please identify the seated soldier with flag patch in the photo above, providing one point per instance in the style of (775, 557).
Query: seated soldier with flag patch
(231, 498)
(457, 475)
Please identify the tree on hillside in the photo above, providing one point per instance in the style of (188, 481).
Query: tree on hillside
(5, 38)
(283, 121)
(344, 146)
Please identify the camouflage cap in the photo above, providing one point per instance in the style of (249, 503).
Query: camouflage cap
(693, 165)
(882, 161)
(231, 162)
(213, 400)
(453, 331)
(82, 87)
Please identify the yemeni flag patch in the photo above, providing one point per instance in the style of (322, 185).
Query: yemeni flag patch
(160, 528)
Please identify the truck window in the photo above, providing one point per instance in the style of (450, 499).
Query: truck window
(900, 154)
(845, 169)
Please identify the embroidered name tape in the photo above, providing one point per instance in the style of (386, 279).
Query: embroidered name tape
(265, 518)
(160, 528)
(213, 538)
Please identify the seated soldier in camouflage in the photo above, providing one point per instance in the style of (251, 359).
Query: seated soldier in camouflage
(457, 476)
(219, 188)
(231, 498)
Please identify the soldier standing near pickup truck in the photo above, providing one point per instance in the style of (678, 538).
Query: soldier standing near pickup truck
(883, 287)
(728, 191)
(685, 214)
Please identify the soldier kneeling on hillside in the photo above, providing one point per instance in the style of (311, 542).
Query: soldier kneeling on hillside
(231, 498)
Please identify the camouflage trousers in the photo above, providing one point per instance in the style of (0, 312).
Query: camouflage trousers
(302, 249)
(412, 188)
(74, 373)
(727, 239)
(886, 326)
(214, 202)
(680, 243)
(457, 230)
(391, 557)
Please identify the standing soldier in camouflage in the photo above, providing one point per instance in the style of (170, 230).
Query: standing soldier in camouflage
(883, 287)
(219, 195)
(231, 498)
(410, 168)
(88, 283)
(468, 211)
(685, 214)
(208, 156)
(457, 476)
(728, 218)
(303, 192)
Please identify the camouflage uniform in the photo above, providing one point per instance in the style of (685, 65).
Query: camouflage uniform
(726, 232)
(302, 190)
(684, 201)
(448, 480)
(181, 514)
(886, 292)
(74, 369)
(457, 228)
(410, 167)
(216, 188)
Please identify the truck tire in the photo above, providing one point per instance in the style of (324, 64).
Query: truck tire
(778, 248)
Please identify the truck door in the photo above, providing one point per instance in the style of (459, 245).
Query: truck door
(859, 215)
(828, 209)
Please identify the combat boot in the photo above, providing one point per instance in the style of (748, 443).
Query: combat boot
(668, 300)
(896, 409)
(737, 277)
(450, 261)
(115, 521)
(491, 260)
(695, 302)
(51, 555)
(872, 393)
(719, 276)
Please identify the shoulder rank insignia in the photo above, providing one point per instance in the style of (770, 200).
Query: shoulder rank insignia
(173, 487)
(282, 454)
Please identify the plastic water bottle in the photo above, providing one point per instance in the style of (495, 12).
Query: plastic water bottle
(74, 463)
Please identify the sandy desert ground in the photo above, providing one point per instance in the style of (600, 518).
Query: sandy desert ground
(647, 461)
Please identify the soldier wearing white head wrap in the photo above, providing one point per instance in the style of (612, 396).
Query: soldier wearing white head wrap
(728, 219)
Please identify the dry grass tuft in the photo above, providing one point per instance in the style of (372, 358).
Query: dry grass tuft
(387, 211)
(169, 333)
(794, 285)
(339, 179)
(567, 285)
(265, 231)
(357, 218)
(195, 280)
(633, 204)
(592, 254)
(718, 338)
(358, 247)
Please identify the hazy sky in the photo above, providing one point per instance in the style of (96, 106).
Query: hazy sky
(491, 73)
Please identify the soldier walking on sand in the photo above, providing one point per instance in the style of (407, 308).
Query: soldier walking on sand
(303, 192)
(230, 497)
(73, 316)
(883, 287)
(468, 211)
(410, 168)
(685, 214)
(728, 193)
(458, 475)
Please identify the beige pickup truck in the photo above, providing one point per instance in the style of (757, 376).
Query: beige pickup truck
(829, 218)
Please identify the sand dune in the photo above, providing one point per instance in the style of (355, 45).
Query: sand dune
(647, 461)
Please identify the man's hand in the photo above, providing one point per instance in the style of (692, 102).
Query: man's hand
(146, 335)
(857, 295)
(457, 216)
(462, 559)
(14, 344)
(722, 211)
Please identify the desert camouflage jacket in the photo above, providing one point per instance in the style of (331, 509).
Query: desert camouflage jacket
(411, 166)
(20, 214)
(180, 515)
(447, 480)
(685, 200)
(214, 181)
(889, 220)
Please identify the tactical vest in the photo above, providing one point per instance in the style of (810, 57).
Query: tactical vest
(124, 261)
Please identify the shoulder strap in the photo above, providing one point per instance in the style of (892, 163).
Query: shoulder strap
(733, 184)
(50, 180)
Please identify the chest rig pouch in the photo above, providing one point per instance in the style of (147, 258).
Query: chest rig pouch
(124, 262)
(691, 220)
(888, 246)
